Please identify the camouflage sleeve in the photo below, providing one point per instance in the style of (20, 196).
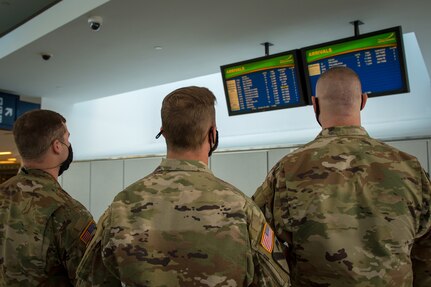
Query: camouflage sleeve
(266, 197)
(268, 254)
(92, 270)
(421, 251)
(73, 228)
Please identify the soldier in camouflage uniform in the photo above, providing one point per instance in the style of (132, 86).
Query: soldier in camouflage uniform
(181, 225)
(355, 211)
(43, 231)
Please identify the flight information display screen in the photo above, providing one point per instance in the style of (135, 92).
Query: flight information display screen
(377, 58)
(262, 84)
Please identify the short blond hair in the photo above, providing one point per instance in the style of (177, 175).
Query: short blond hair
(187, 115)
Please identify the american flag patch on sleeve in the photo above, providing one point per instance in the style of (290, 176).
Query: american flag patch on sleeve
(267, 240)
(88, 232)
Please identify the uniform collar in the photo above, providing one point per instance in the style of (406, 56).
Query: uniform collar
(183, 165)
(35, 172)
(343, 131)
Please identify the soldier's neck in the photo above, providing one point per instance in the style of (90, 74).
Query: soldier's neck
(199, 154)
(46, 166)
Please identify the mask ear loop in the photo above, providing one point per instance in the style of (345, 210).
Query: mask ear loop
(213, 142)
(210, 137)
(159, 134)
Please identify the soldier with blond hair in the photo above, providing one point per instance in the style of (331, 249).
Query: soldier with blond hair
(181, 225)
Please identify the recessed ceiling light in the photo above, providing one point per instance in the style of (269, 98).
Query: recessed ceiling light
(158, 48)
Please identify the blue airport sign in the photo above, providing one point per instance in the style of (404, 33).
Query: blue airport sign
(8, 107)
(11, 108)
(23, 107)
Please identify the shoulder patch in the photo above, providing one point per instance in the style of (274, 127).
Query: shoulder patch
(88, 232)
(267, 240)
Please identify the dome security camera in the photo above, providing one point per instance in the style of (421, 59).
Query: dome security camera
(46, 56)
(95, 22)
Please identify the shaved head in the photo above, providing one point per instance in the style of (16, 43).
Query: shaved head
(339, 91)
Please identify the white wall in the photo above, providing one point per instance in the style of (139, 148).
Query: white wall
(106, 181)
(96, 183)
(125, 125)
(246, 170)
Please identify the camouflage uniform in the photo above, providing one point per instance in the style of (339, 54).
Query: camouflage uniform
(182, 226)
(351, 209)
(43, 231)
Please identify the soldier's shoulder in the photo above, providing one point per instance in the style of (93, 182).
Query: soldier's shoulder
(162, 183)
(9, 182)
(71, 210)
(394, 150)
(26, 183)
(401, 160)
(252, 209)
(294, 153)
(25, 188)
(231, 190)
(67, 206)
(136, 190)
(69, 201)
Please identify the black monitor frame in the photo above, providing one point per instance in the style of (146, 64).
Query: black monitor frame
(401, 56)
(299, 77)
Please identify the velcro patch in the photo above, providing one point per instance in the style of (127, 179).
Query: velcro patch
(88, 232)
(267, 240)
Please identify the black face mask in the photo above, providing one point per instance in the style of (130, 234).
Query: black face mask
(316, 102)
(65, 165)
(213, 144)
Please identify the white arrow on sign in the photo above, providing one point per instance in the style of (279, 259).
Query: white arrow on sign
(8, 112)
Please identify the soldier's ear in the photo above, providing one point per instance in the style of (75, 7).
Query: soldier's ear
(364, 98)
(56, 146)
(313, 102)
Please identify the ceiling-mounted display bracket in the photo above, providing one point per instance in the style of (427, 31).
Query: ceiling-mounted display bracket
(267, 45)
(356, 24)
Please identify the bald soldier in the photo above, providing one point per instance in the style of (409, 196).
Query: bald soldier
(43, 230)
(181, 225)
(355, 211)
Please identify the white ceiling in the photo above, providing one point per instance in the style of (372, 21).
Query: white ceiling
(196, 36)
